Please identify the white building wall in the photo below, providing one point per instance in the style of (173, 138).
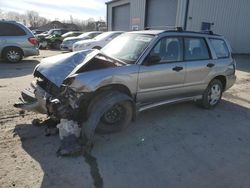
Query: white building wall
(231, 18)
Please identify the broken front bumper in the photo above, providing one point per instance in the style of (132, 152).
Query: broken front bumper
(33, 99)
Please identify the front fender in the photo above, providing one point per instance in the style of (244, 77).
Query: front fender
(93, 80)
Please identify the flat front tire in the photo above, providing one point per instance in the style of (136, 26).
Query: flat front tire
(109, 112)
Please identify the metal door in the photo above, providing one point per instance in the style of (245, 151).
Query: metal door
(121, 18)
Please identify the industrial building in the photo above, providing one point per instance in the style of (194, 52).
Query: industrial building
(230, 18)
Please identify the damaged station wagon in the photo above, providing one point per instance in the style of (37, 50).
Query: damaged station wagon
(104, 89)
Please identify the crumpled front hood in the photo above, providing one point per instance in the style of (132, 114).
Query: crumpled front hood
(58, 67)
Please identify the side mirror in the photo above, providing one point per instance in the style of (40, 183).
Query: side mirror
(153, 59)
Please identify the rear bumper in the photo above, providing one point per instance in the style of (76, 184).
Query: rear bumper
(230, 81)
(32, 51)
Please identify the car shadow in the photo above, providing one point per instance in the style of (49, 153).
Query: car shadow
(170, 146)
(25, 67)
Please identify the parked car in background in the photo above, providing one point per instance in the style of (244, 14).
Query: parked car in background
(54, 41)
(16, 41)
(68, 42)
(42, 37)
(71, 34)
(103, 89)
(97, 42)
(36, 31)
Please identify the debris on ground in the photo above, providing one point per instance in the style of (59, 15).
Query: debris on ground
(22, 112)
(69, 132)
(50, 125)
(37, 122)
(68, 127)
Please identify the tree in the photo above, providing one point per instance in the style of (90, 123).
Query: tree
(33, 18)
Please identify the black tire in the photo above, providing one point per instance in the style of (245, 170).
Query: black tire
(101, 105)
(207, 101)
(13, 55)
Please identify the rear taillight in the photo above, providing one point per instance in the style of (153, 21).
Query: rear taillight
(33, 40)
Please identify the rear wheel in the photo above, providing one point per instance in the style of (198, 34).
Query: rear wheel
(13, 55)
(212, 95)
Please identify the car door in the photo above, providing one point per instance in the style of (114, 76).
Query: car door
(199, 64)
(162, 74)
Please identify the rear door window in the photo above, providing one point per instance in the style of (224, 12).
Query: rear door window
(196, 49)
(220, 48)
(8, 29)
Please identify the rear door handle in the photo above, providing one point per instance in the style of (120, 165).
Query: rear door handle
(210, 65)
(177, 69)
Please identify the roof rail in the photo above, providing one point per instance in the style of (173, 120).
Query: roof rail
(209, 32)
(180, 29)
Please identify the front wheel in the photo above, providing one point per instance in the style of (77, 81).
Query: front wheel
(109, 112)
(212, 95)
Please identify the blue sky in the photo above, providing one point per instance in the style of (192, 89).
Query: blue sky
(58, 9)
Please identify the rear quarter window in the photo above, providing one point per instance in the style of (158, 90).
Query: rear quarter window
(220, 48)
(8, 29)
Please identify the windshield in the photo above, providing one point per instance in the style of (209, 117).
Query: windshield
(128, 47)
(103, 36)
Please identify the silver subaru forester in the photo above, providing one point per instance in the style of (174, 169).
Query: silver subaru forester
(16, 41)
(103, 90)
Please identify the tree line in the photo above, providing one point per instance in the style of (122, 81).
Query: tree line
(34, 20)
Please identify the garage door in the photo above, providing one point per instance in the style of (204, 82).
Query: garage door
(161, 13)
(121, 18)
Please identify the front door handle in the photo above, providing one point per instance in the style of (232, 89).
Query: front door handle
(177, 69)
(210, 65)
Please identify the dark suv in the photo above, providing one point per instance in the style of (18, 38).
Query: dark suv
(16, 41)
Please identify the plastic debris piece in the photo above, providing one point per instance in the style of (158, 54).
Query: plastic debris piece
(68, 127)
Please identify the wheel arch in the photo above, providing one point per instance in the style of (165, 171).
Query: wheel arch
(8, 47)
(223, 80)
(118, 87)
(86, 103)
